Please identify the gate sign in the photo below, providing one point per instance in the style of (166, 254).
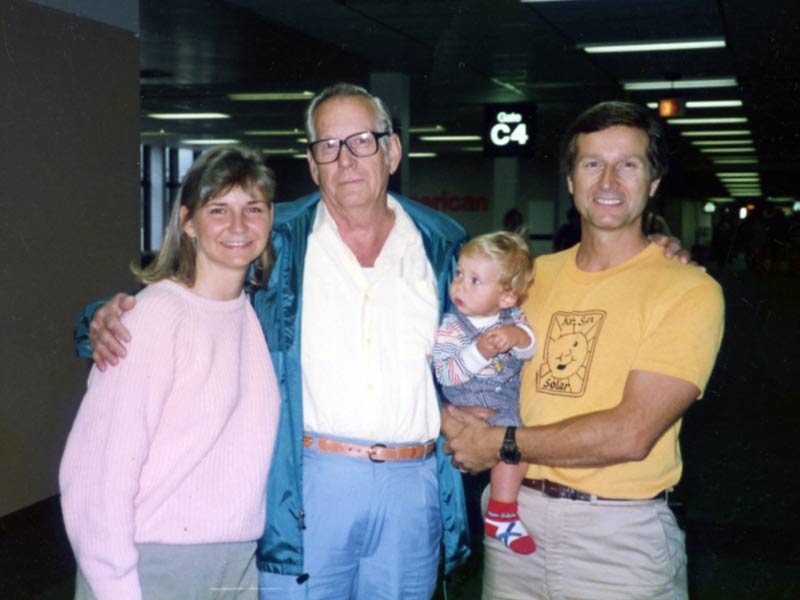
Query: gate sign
(508, 129)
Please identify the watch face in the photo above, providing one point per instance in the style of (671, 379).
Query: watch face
(510, 453)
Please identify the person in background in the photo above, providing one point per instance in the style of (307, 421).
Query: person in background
(569, 233)
(479, 352)
(631, 339)
(164, 474)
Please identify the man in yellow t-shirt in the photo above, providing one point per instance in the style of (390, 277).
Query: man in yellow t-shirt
(630, 339)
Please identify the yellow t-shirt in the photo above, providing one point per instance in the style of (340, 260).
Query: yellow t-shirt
(649, 313)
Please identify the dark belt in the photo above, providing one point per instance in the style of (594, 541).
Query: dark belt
(556, 490)
(376, 452)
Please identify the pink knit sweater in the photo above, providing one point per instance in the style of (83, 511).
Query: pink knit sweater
(174, 444)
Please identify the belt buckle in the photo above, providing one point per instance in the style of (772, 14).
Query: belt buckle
(372, 449)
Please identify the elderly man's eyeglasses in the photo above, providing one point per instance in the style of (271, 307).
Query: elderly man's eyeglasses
(361, 144)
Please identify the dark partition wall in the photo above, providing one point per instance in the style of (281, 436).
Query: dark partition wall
(69, 220)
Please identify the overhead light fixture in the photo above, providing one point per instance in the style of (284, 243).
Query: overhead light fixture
(279, 151)
(742, 187)
(742, 181)
(188, 116)
(715, 133)
(679, 84)
(707, 120)
(734, 189)
(670, 107)
(738, 174)
(722, 142)
(796, 206)
(270, 96)
(709, 207)
(735, 161)
(210, 142)
(426, 129)
(730, 177)
(721, 199)
(713, 103)
(738, 150)
(472, 148)
(661, 46)
(154, 133)
(273, 132)
(450, 138)
(422, 155)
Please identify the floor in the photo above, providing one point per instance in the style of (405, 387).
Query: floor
(738, 499)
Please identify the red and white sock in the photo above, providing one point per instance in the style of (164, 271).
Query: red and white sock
(502, 522)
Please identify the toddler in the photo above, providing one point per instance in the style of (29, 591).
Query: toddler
(478, 356)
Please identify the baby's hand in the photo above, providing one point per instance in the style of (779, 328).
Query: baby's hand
(502, 339)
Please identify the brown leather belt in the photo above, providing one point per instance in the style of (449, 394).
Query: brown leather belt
(376, 453)
(556, 490)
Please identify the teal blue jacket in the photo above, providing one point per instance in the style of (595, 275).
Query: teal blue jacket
(279, 309)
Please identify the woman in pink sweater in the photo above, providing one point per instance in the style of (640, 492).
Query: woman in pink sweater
(164, 474)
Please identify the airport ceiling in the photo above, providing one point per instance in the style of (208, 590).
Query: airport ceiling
(461, 54)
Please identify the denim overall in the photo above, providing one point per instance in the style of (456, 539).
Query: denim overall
(498, 391)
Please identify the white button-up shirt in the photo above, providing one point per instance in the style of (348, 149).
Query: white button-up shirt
(368, 335)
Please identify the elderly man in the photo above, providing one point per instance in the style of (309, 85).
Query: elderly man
(359, 498)
(630, 339)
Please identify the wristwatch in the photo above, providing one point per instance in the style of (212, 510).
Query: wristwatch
(509, 451)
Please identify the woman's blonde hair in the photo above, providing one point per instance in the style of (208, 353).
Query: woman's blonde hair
(511, 253)
(214, 173)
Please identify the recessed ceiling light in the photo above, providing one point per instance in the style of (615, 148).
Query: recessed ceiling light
(279, 151)
(715, 133)
(450, 138)
(270, 96)
(426, 129)
(210, 142)
(735, 161)
(181, 116)
(707, 120)
(742, 186)
(653, 46)
(738, 150)
(274, 132)
(713, 103)
(722, 142)
(679, 84)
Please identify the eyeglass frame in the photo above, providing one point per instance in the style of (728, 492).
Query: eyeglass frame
(343, 142)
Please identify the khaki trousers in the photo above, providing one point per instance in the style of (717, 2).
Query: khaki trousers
(600, 550)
